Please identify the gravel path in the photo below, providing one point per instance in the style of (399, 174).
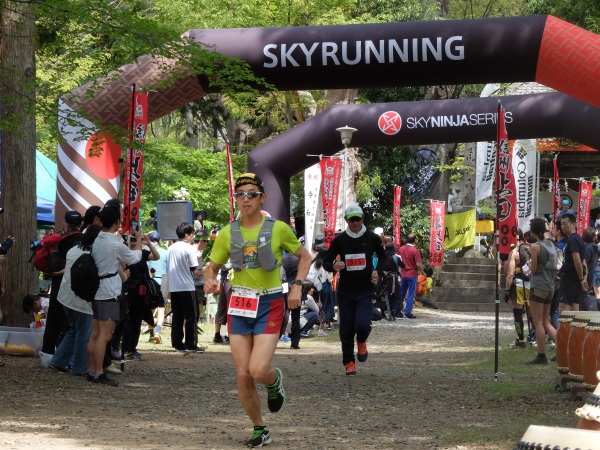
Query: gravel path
(428, 383)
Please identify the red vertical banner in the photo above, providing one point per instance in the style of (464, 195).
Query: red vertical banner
(583, 206)
(396, 216)
(437, 211)
(134, 163)
(331, 174)
(506, 191)
(231, 185)
(556, 190)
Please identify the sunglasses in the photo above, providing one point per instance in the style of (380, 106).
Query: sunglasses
(249, 194)
(355, 219)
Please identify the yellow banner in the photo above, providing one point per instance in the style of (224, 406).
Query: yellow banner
(460, 230)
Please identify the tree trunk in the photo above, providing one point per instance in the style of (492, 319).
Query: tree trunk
(17, 101)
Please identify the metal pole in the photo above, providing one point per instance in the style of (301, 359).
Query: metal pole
(345, 181)
(537, 191)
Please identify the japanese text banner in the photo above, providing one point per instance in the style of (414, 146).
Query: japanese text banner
(396, 216)
(506, 191)
(436, 239)
(331, 174)
(134, 165)
(583, 206)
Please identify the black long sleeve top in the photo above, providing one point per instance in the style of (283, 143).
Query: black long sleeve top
(357, 254)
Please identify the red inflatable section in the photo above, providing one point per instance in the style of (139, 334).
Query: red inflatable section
(569, 60)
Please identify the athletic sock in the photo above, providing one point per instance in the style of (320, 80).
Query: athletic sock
(518, 315)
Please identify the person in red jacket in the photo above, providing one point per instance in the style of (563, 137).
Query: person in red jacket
(413, 267)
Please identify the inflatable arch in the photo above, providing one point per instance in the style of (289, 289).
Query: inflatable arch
(543, 49)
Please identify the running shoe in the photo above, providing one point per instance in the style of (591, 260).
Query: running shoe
(58, 369)
(276, 393)
(363, 354)
(539, 359)
(518, 343)
(112, 369)
(103, 379)
(351, 369)
(321, 333)
(260, 437)
(131, 356)
(194, 350)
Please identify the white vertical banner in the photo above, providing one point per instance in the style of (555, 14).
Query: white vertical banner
(524, 166)
(312, 188)
(485, 170)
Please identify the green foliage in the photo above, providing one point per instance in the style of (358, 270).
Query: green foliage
(583, 13)
(169, 166)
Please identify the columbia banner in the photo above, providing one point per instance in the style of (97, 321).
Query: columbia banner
(134, 165)
(583, 206)
(506, 195)
(524, 162)
(396, 217)
(460, 230)
(436, 239)
(331, 174)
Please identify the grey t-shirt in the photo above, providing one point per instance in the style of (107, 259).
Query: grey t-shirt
(544, 278)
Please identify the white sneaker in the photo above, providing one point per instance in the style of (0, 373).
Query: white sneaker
(112, 369)
(45, 359)
(321, 333)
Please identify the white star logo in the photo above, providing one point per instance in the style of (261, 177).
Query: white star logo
(390, 122)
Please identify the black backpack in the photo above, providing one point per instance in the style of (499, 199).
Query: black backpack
(85, 280)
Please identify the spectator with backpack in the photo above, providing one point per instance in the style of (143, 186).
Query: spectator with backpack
(544, 260)
(78, 312)
(108, 253)
(56, 321)
(393, 265)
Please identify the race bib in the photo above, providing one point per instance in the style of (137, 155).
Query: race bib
(243, 302)
(356, 261)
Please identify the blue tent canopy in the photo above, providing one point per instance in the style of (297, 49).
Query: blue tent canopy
(45, 171)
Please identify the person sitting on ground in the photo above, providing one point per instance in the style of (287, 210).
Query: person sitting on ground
(309, 310)
(425, 289)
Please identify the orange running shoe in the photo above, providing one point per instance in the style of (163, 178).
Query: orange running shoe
(351, 369)
(363, 354)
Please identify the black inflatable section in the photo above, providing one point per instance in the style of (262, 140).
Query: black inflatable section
(424, 122)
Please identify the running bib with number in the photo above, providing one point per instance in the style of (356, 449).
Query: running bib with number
(356, 261)
(243, 302)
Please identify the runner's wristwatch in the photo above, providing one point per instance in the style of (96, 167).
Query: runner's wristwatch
(298, 282)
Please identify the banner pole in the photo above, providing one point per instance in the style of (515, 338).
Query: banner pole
(497, 299)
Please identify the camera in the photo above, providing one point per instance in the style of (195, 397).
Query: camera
(8, 243)
(135, 225)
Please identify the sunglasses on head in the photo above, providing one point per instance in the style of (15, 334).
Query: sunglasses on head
(249, 194)
(355, 219)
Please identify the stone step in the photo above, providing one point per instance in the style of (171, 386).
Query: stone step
(454, 284)
(466, 295)
(452, 259)
(445, 277)
(473, 307)
(468, 268)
